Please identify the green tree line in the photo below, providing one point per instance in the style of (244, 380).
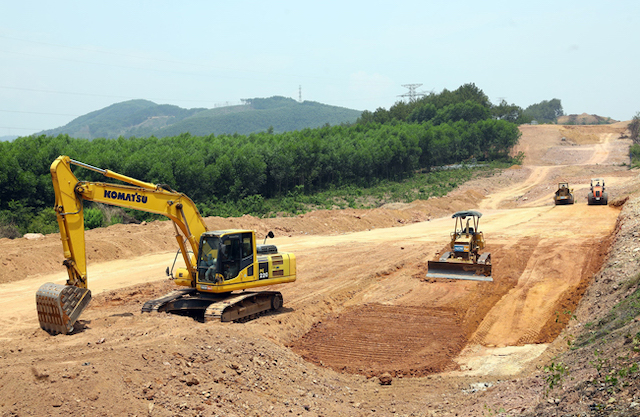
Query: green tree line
(468, 102)
(547, 111)
(229, 169)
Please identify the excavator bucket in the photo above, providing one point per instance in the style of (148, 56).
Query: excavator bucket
(459, 270)
(59, 306)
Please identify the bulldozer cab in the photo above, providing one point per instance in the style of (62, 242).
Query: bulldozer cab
(466, 225)
(466, 238)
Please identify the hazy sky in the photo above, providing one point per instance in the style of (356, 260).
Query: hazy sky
(63, 59)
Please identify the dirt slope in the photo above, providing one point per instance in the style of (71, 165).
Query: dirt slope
(361, 305)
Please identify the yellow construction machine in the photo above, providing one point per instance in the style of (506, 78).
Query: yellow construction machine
(564, 194)
(217, 262)
(464, 261)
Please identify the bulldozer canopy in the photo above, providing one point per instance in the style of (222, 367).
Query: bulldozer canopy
(467, 213)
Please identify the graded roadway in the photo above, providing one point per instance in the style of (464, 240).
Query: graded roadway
(362, 303)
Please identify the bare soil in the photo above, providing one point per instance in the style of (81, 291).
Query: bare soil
(362, 330)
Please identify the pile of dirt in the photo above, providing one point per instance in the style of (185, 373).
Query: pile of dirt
(584, 119)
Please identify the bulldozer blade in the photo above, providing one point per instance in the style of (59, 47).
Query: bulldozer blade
(459, 270)
(59, 306)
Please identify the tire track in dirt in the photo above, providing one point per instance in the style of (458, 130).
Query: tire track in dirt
(381, 342)
(495, 200)
(600, 151)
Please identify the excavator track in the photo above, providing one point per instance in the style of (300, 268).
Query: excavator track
(216, 307)
(157, 304)
(244, 306)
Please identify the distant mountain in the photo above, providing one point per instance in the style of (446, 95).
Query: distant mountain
(7, 138)
(143, 118)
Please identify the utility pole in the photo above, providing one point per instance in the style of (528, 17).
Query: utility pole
(412, 93)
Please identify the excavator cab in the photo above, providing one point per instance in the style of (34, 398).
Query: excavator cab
(464, 261)
(224, 256)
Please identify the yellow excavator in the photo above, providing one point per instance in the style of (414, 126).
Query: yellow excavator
(464, 261)
(217, 262)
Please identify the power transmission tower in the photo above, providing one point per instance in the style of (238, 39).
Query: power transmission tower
(300, 94)
(412, 93)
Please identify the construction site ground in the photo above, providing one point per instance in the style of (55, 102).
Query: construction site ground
(361, 307)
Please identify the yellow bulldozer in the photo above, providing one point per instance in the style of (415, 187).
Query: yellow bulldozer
(464, 261)
(216, 262)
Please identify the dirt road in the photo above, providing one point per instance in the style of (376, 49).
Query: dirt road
(361, 304)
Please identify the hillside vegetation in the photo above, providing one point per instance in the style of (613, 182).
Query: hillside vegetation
(227, 173)
(143, 118)
(468, 102)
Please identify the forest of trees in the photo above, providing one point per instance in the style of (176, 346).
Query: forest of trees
(547, 111)
(385, 145)
(468, 102)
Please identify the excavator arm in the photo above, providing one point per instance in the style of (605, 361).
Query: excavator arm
(59, 306)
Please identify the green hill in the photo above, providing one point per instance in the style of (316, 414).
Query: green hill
(143, 118)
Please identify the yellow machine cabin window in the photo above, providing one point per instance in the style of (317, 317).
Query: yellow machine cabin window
(208, 265)
(247, 253)
(223, 258)
(230, 256)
